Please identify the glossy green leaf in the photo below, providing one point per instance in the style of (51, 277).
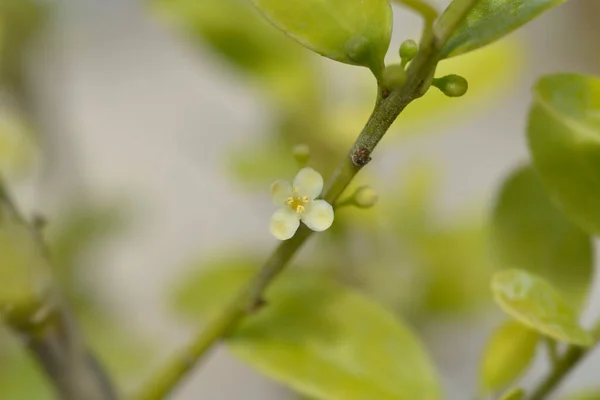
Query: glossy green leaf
(564, 141)
(534, 302)
(514, 394)
(355, 32)
(321, 339)
(530, 233)
(490, 20)
(509, 353)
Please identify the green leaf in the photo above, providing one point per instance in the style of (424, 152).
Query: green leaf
(20, 22)
(490, 20)
(564, 141)
(321, 339)
(534, 302)
(530, 233)
(508, 354)
(514, 394)
(355, 32)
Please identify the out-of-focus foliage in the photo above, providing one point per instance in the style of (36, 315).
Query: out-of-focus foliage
(17, 148)
(508, 354)
(350, 31)
(490, 20)
(514, 394)
(24, 273)
(534, 302)
(20, 20)
(530, 233)
(122, 349)
(564, 140)
(235, 31)
(20, 376)
(81, 230)
(318, 337)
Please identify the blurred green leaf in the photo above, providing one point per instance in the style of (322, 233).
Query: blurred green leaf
(509, 353)
(355, 32)
(320, 338)
(534, 302)
(124, 352)
(564, 140)
(16, 145)
(24, 274)
(238, 33)
(456, 265)
(514, 394)
(20, 20)
(72, 237)
(490, 20)
(528, 232)
(21, 379)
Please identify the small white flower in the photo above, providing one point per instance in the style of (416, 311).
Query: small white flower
(298, 203)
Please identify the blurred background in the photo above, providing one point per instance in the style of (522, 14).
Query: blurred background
(147, 133)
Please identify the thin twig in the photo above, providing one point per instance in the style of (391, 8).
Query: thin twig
(386, 111)
(562, 367)
(45, 325)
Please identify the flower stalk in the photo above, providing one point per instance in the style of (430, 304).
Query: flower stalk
(419, 76)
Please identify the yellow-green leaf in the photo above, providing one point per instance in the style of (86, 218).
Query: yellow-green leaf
(355, 32)
(530, 233)
(564, 141)
(508, 354)
(534, 302)
(490, 20)
(514, 394)
(322, 339)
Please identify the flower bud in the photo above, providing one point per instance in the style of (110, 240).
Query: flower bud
(365, 197)
(301, 153)
(393, 76)
(452, 85)
(408, 50)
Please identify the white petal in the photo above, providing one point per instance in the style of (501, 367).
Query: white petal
(284, 223)
(308, 182)
(280, 191)
(318, 216)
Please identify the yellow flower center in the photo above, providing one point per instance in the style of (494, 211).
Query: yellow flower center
(297, 203)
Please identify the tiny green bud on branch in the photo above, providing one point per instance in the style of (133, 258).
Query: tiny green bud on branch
(301, 153)
(452, 85)
(408, 51)
(365, 197)
(393, 77)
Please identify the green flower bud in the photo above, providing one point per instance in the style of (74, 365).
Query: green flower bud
(365, 197)
(393, 76)
(452, 85)
(301, 153)
(408, 50)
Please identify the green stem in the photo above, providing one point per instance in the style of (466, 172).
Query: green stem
(559, 371)
(562, 367)
(386, 111)
(45, 325)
